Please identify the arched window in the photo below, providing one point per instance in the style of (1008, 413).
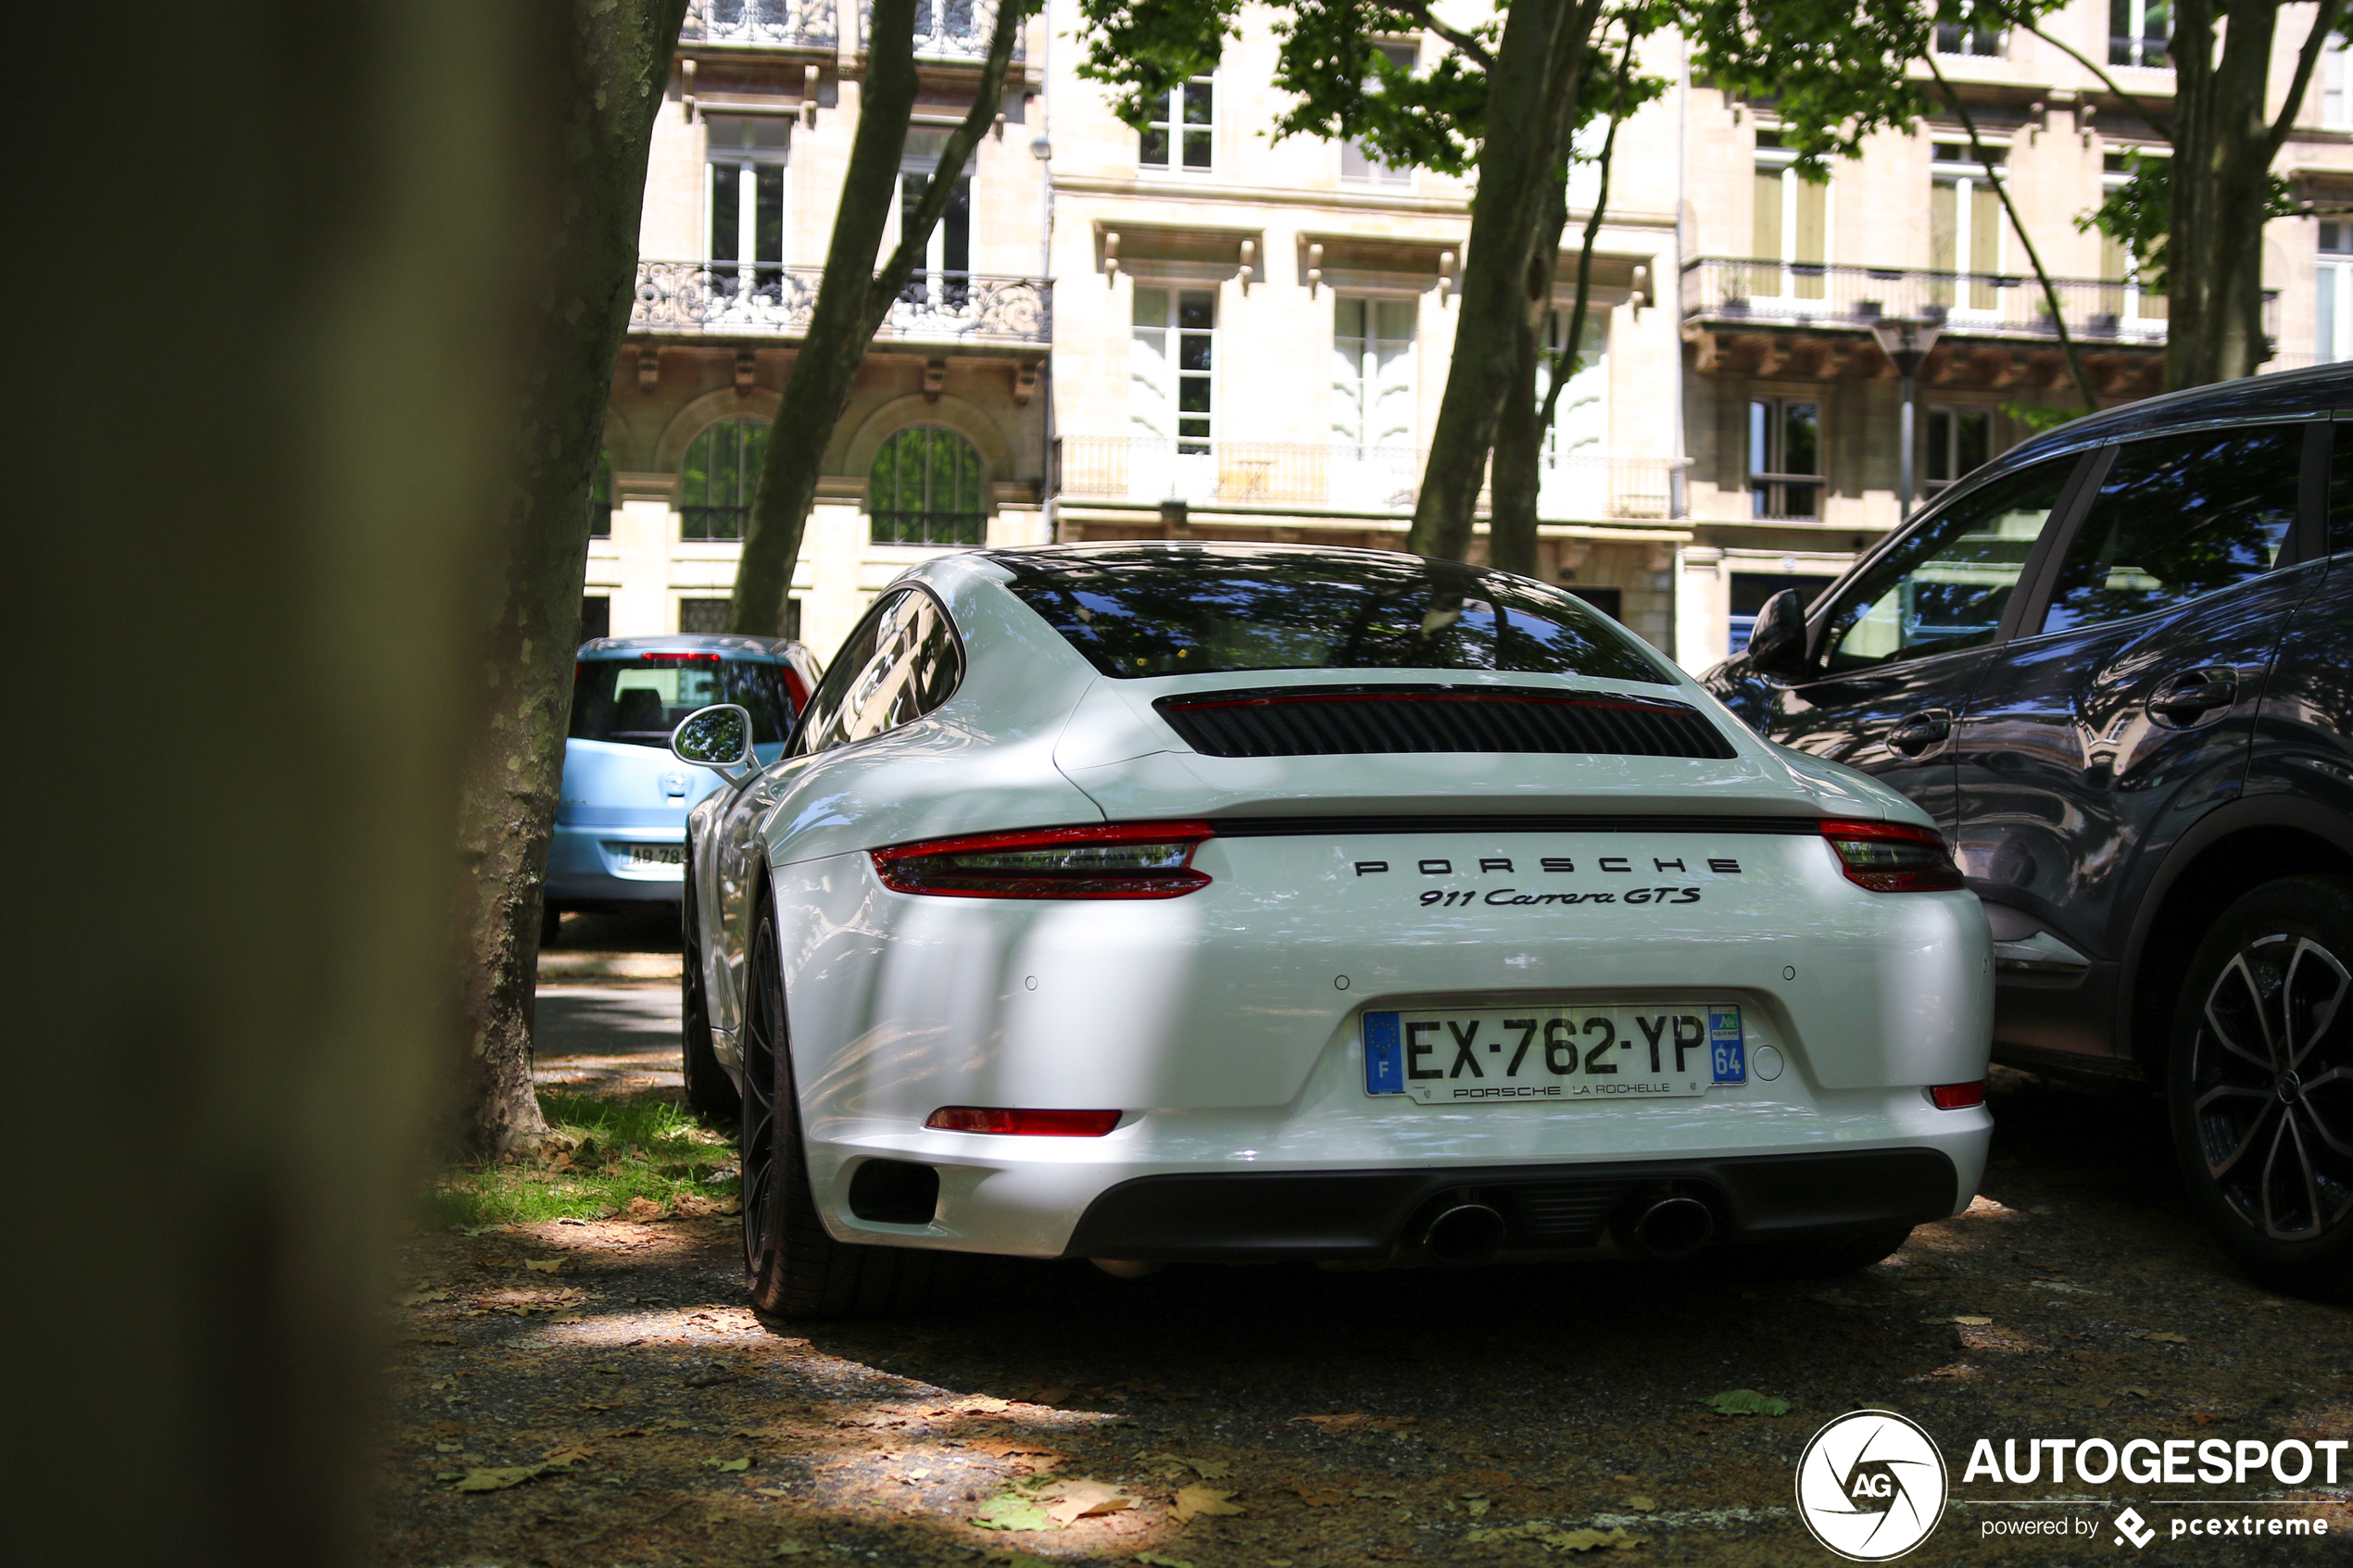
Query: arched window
(600, 497)
(927, 490)
(721, 474)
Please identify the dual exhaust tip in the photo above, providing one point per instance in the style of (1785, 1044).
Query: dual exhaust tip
(1665, 1226)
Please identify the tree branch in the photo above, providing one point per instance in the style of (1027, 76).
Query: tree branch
(2050, 290)
(2323, 23)
(1462, 42)
(1574, 342)
(2162, 126)
(940, 188)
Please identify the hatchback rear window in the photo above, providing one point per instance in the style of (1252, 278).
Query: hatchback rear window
(639, 701)
(1200, 610)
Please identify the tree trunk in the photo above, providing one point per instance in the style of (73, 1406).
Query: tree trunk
(264, 568)
(1534, 83)
(1519, 429)
(853, 301)
(621, 62)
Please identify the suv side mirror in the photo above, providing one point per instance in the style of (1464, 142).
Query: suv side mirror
(718, 736)
(1776, 646)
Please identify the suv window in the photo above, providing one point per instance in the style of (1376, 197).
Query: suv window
(637, 701)
(2341, 491)
(901, 663)
(1945, 586)
(2178, 517)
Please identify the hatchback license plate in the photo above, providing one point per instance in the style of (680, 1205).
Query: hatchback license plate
(1494, 1056)
(657, 854)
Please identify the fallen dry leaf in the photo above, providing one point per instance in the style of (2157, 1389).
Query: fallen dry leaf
(983, 1404)
(1970, 1320)
(1069, 1502)
(642, 1209)
(423, 1298)
(497, 1480)
(1174, 1465)
(1641, 1504)
(728, 1464)
(1193, 1501)
(2157, 1338)
(1314, 1497)
(1357, 1421)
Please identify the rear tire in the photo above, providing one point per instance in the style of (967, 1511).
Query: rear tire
(793, 1268)
(2260, 1082)
(710, 1094)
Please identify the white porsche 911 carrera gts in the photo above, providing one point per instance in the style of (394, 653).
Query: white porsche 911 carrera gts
(1202, 902)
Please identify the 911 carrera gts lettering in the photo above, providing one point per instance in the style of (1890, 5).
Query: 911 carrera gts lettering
(1446, 898)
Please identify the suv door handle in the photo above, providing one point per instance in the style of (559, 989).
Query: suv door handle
(1916, 732)
(2185, 698)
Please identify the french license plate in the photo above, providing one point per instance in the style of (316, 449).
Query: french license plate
(1491, 1056)
(657, 855)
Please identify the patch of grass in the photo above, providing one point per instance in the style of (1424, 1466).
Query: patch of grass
(608, 1152)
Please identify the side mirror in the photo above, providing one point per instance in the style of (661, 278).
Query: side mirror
(718, 736)
(1776, 646)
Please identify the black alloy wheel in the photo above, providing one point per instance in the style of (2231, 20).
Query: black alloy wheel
(710, 1092)
(2260, 1082)
(793, 1267)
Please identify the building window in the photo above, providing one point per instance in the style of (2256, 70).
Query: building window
(1785, 457)
(2336, 101)
(2137, 32)
(721, 475)
(1968, 34)
(746, 158)
(1609, 601)
(1581, 418)
(1964, 226)
(1359, 165)
(1791, 226)
(1957, 442)
(1182, 130)
(600, 497)
(2335, 339)
(1172, 365)
(2134, 302)
(702, 615)
(944, 277)
(595, 617)
(927, 489)
(1373, 372)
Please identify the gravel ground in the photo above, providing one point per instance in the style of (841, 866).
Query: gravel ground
(615, 1404)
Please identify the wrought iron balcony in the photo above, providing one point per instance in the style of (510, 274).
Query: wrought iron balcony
(1728, 292)
(753, 299)
(947, 29)
(768, 24)
(1338, 477)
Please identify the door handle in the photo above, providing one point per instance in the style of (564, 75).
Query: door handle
(2185, 698)
(1916, 732)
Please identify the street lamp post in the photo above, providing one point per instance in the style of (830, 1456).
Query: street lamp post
(1907, 344)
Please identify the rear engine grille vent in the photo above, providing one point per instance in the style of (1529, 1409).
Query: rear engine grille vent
(1359, 720)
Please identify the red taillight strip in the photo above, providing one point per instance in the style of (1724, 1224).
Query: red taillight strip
(1941, 876)
(913, 868)
(1031, 839)
(677, 657)
(1022, 1123)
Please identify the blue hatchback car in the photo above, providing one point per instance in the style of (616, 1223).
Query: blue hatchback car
(621, 825)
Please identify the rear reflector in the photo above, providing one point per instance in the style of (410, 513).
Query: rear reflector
(1026, 1124)
(1893, 857)
(1114, 860)
(1957, 1097)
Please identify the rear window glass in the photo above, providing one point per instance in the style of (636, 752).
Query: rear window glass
(639, 701)
(1202, 610)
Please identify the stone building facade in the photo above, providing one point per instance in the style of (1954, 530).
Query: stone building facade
(1201, 332)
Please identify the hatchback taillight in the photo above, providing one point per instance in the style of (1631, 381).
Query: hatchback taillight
(1117, 860)
(1022, 1123)
(1893, 857)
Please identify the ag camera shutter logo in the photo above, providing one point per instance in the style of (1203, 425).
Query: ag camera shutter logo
(1872, 1486)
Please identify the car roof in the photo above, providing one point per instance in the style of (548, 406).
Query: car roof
(688, 642)
(2287, 395)
(1177, 550)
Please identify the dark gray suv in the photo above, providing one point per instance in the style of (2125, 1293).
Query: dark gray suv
(2117, 664)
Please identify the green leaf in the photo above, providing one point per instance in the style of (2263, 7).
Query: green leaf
(1747, 1401)
(1155, 1559)
(1011, 1511)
